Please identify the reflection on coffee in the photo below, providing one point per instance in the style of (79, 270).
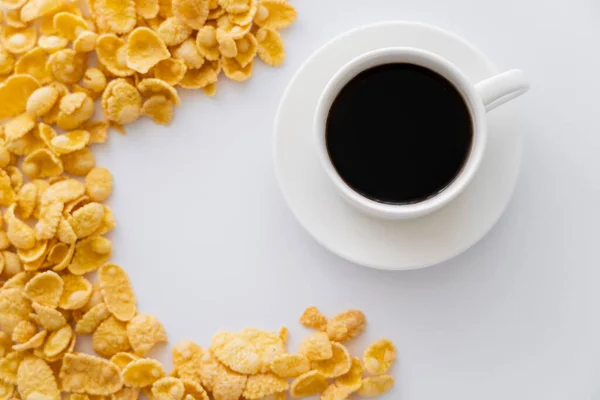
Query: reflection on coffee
(399, 133)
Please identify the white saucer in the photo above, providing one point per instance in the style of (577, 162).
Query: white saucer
(393, 245)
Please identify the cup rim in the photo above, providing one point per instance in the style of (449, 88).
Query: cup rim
(435, 63)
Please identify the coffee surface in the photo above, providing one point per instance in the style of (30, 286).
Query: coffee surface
(399, 133)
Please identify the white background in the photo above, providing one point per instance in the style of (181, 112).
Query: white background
(210, 244)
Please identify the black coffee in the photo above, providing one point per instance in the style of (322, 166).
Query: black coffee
(399, 133)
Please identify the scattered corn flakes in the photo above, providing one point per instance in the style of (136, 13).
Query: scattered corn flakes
(379, 356)
(316, 347)
(9, 366)
(142, 372)
(145, 49)
(75, 109)
(50, 318)
(82, 373)
(308, 384)
(45, 289)
(18, 40)
(144, 331)
(337, 365)
(346, 325)
(374, 386)
(90, 254)
(24, 331)
(68, 66)
(201, 77)
(121, 360)
(110, 338)
(92, 319)
(112, 54)
(159, 109)
(58, 341)
(35, 380)
(353, 378)
(76, 292)
(85, 42)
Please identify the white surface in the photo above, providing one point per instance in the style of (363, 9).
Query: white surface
(336, 216)
(210, 243)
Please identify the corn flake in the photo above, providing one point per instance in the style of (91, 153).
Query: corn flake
(82, 373)
(117, 292)
(234, 71)
(145, 49)
(69, 25)
(58, 341)
(171, 71)
(14, 93)
(246, 49)
(35, 380)
(316, 347)
(94, 80)
(313, 318)
(144, 331)
(18, 127)
(192, 12)
(110, 337)
(80, 162)
(337, 365)
(121, 102)
(142, 372)
(7, 62)
(5, 344)
(98, 184)
(21, 235)
(121, 360)
(9, 366)
(24, 331)
(77, 291)
(12, 265)
(52, 43)
(335, 392)
(227, 46)
(207, 44)
(275, 14)
(90, 253)
(228, 385)
(112, 54)
(87, 219)
(210, 90)
(42, 100)
(18, 40)
(45, 289)
(6, 390)
(68, 66)
(116, 16)
(200, 78)
(168, 388)
(147, 8)
(271, 49)
(188, 361)
(12, 4)
(49, 222)
(75, 109)
(379, 356)
(34, 63)
(290, 365)
(50, 318)
(308, 384)
(374, 386)
(346, 325)
(237, 352)
(92, 319)
(264, 384)
(7, 193)
(85, 42)
(173, 31)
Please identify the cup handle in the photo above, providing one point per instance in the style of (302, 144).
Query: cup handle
(502, 88)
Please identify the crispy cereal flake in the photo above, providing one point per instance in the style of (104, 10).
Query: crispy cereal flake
(68, 66)
(110, 338)
(14, 93)
(144, 331)
(290, 365)
(112, 54)
(92, 319)
(271, 49)
(316, 347)
(90, 253)
(346, 325)
(379, 357)
(168, 388)
(121, 102)
(76, 292)
(58, 341)
(50, 318)
(275, 14)
(145, 49)
(18, 40)
(308, 384)
(374, 386)
(142, 372)
(35, 380)
(45, 289)
(24, 331)
(192, 12)
(264, 384)
(187, 360)
(117, 16)
(98, 184)
(313, 318)
(121, 360)
(117, 292)
(339, 363)
(82, 373)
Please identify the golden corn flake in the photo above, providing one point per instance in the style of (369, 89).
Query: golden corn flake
(94, 80)
(68, 25)
(308, 384)
(80, 162)
(108, 222)
(110, 337)
(126, 394)
(112, 54)
(275, 14)
(24, 331)
(188, 361)
(5, 344)
(87, 219)
(237, 352)
(77, 290)
(152, 86)
(171, 71)
(85, 42)
(290, 365)
(42, 100)
(92, 319)
(121, 102)
(17, 127)
(246, 17)
(36, 253)
(117, 292)
(98, 184)
(271, 49)
(90, 253)
(34, 63)
(117, 16)
(228, 385)
(13, 18)
(269, 346)
(18, 40)
(192, 12)
(188, 52)
(58, 341)
(234, 71)
(265, 384)
(246, 49)
(45, 289)
(82, 373)
(6, 390)
(16, 177)
(21, 235)
(316, 347)
(142, 372)
(98, 131)
(48, 224)
(14, 93)
(144, 331)
(379, 356)
(68, 66)
(147, 8)
(335, 392)
(337, 365)
(346, 325)
(145, 49)
(7, 193)
(35, 380)
(42, 163)
(173, 31)
(9, 366)
(374, 386)
(12, 4)
(227, 46)
(313, 318)
(202, 77)
(39, 8)
(168, 388)
(52, 43)
(75, 109)
(50, 319)
(207, 44)
(123, 359)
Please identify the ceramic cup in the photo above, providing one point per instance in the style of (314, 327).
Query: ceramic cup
(480, 98)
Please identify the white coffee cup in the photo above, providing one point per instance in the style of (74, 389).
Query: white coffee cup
(480, 98)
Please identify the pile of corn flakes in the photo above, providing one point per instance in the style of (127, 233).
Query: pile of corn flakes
(55, 61)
